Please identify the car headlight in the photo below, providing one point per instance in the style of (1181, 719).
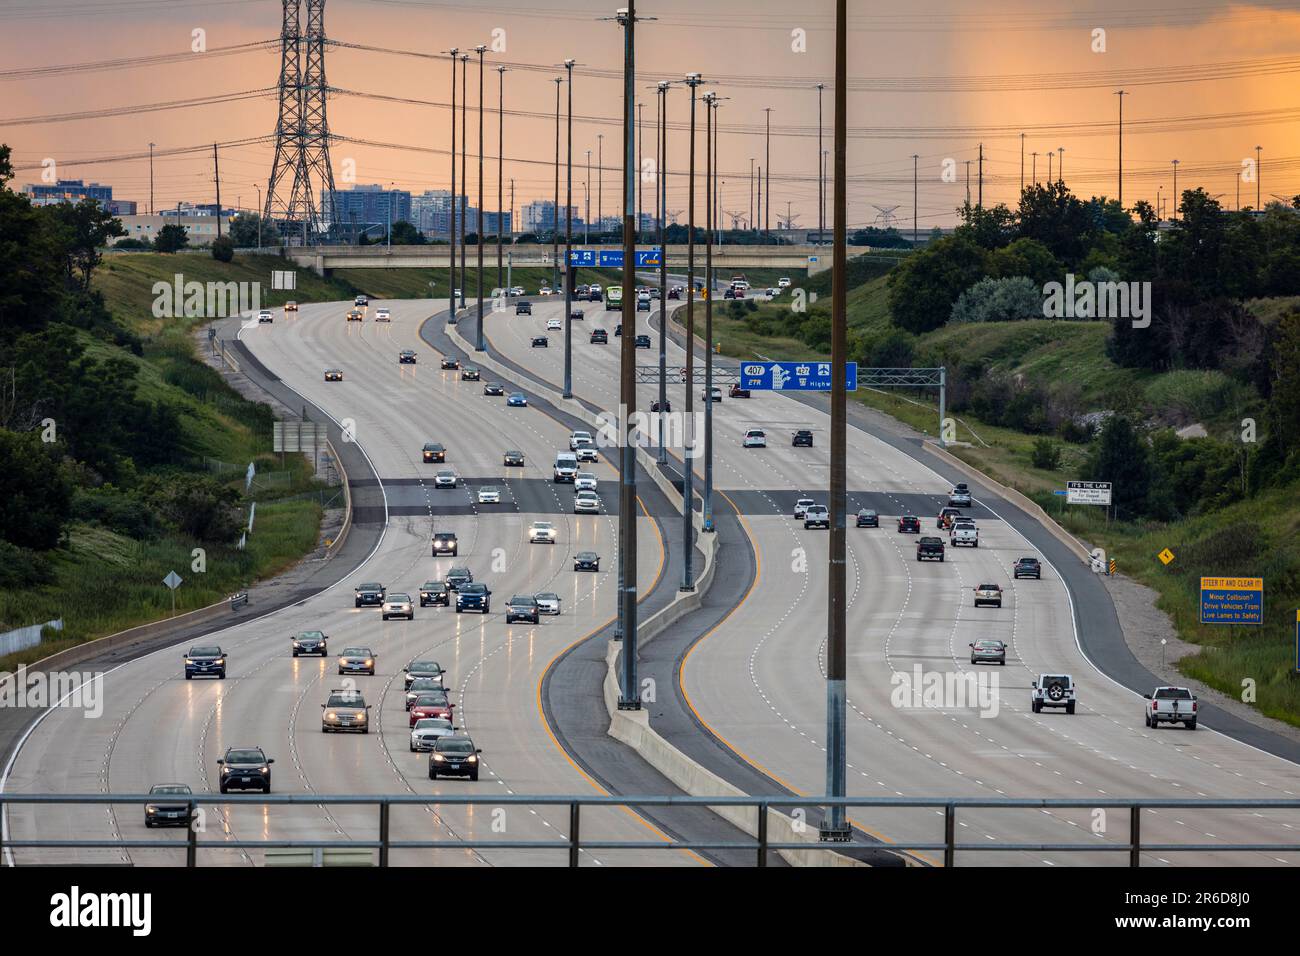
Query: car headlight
(265, 769)
(472, 759)
(220, 660)
(188, 661)
(296, 644)
(150, 809)
(370, 663)
(361, 716)
(438, 757)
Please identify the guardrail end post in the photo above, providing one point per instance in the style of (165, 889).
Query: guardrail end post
(383, 833)
(1135, 836)
(762, 835)
(574, 839)
(192, 838)
(949, 834)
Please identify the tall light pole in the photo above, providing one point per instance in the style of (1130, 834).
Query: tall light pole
(1121, 94)
(640, 161)
(501, 181)
(1258, 178)
(706, 515)
(821, 179)
(1035, 167)
(688, 460)
(555, 229)
(1060, 166)
(663, 266)
(586, 209)
(151, 146)
(478, 331)
(451, 202)
(464, 174)
(751, 193)
(630, 698)
(568, 242)
(767, 164)
(915, 159)
(600, 184)
(1022, 164)
(835, 823)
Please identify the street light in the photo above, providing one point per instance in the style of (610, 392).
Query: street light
(464, 176)
(478, 332)
(568, 242)
(688, 463)
(451, 200)
(663, 265)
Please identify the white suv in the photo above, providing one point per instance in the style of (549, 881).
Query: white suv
(541, 532)
(586, 503)
(585, 481)
(755, 438)
(577, 438)
(801, 507)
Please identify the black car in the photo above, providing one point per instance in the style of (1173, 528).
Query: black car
(586, 561)
(449, 363)
(667, 406)
(513, 458)
(522, 607)
(618, 330)
(417, 669)
(473, 597)
(406, 357)
(803, 437)
(454, 756)
(575, 315)
(172, 808)
(458, 576)
(444, 542)
(434, 594)
(370, 595)
(494, 388)
(434, 452)
(470, 374)
(729, 294)
(868, 519)
(737, 392)
(205, 662)
(523, 308)
(909, 524)
(674, 293)
(334, 375)
(599, 337)
(643, 341)
(540, 342)
(310, 642)
(1027, 568)
(643, 305)
(245, 768)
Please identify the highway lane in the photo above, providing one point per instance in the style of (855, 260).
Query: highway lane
(159, 727)
(761, 670)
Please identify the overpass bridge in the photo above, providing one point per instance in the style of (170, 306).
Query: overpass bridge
(324, 259)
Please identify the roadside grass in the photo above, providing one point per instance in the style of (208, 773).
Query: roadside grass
(104, 582)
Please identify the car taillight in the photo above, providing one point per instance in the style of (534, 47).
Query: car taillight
(1193, 707)
(1154, 705)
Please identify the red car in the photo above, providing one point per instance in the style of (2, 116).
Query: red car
(909, 524)
(431, 705)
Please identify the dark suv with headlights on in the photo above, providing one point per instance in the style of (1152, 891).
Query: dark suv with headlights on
(444, 542)
(522, 607)
(245, 768)
(473, 597)
(434, 593)
(454, 756)
(370, 595)
(418, 669)
(205, 662)
(1027, 568)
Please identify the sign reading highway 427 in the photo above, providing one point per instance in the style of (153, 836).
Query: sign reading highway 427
(795, 376)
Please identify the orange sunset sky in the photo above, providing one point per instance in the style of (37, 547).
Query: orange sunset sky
(1207, 83)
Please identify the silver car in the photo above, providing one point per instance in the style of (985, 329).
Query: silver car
(427, 730)
(988, 652)
(398, 605)
(345, 710)
(548, 602)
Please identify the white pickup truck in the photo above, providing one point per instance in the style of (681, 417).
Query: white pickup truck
(1171, 705)
(964, 533)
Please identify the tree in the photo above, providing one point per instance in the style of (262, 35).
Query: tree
(405, 234)
(223, 249)
(1061, 222)
(999, 300)
(171, 238)
(1284, 405)
(988, 228)
(1122, 457)
(196, 505)
(35, 491)
(84, 228)
(1026, 257)
(924, 287)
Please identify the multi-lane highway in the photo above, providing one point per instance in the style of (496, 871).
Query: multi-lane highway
(756, 681)
(160, 728)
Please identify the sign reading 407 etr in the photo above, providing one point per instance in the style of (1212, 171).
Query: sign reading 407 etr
(795, 376)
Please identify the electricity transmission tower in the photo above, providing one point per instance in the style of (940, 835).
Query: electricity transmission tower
(736, 218)
(673, 214)
(885, 217)
(301, 169)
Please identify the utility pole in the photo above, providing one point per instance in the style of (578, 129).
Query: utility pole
(501, 153)
(1050, 154)
(1060, 166)
(1121, 94)
(1175, 165)
(1022, 164)
(981, 178)
(835, 823)
(759, 211)
(915, 159)
(452, 200)
(568, 243)
(216, 177)
(586, 208)
(688, 460)
(706, 514)
(1035, 155)
(968, 184)
(630, 698)
(478, 331)
(767, 160)
(151, 212)
(512, 216)
(751, 192)
(555, 229)
(464, 175)
(1239, 190)
(600, 184)
(663, 266)
(640, 161)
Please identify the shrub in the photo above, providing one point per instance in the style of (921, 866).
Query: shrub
(223, 249)
(1046, 454)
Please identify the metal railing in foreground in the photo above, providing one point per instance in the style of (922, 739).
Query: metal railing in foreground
(573, 843)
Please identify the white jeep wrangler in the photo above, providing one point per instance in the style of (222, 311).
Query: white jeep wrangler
(1052, 690)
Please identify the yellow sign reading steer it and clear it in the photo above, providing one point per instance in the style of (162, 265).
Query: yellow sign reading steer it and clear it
(1232, 600)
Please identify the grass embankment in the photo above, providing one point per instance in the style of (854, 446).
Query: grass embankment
(1256, 537)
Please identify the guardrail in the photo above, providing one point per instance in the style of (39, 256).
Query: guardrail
(573, 842)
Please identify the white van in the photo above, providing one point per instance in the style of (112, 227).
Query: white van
(566, 466)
